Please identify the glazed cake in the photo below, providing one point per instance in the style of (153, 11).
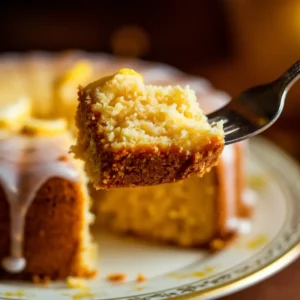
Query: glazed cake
(131, 134)
(54, 240)
(43, 188)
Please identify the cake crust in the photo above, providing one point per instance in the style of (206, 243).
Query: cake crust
(144, 166)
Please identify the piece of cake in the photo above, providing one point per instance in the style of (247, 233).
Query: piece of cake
(132, 134)
(194, 212)
(44, 205)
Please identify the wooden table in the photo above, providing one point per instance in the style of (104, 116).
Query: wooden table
(233, 77)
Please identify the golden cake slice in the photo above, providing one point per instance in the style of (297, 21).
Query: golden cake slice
(132, 134)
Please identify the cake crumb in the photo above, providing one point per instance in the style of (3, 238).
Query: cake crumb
(256, 181)
(76, 283)
(116, 277)
(63, 158)
(141, 278)
(36, 279)
(83, 295)
(257, 242)
(199, 274)
(46, 280)
(19, 293)
(217, 244)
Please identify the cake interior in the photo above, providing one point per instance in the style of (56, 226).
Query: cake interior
(134, 114)
(182, 213)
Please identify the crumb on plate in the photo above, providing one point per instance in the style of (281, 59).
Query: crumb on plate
(141, 278)
(44, 280)
(116, 277)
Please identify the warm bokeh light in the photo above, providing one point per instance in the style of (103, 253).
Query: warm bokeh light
(130, 41)
(266, 34)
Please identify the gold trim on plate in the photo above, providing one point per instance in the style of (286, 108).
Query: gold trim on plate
(247, 280)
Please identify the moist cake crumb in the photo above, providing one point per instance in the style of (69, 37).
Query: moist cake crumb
(43, 280)
(141, 278)
(217, 244)
(116, 277)
(132, 134)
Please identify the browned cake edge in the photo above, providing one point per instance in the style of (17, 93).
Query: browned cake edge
(53, 240)
(139, 166)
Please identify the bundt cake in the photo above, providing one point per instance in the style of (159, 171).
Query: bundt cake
(44, 204)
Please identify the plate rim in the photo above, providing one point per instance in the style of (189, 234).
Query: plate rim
(278, 264)
(247, 280)
(283, 259)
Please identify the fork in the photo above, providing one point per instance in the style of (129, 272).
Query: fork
(256, 109)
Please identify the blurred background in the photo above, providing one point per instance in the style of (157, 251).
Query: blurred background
(234, 43)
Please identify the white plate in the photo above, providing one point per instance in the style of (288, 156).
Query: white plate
(182, 273)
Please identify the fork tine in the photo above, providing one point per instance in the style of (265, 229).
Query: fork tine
(218, 114)
(217, 119)
(230, 129)
(235, 125)
(255, 109)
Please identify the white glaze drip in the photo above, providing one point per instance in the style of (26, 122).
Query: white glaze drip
(244, 225)
(233, 222)
(26, 163)
(228, 161)
(249, 197)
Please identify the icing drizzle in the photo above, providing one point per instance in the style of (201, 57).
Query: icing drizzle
(26, 163)
(228, 176)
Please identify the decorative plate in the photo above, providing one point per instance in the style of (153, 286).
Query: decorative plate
(273, 243)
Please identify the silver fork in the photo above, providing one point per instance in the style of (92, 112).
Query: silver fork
(256, 109)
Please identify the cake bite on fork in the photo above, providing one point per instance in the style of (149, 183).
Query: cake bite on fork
(133, 134)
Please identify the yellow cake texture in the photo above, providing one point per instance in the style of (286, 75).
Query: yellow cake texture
(133, 134)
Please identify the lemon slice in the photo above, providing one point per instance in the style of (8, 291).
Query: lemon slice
(13, 116)
(66, 86)
(44, 127)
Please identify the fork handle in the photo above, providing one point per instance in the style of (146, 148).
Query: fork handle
(285, 81)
